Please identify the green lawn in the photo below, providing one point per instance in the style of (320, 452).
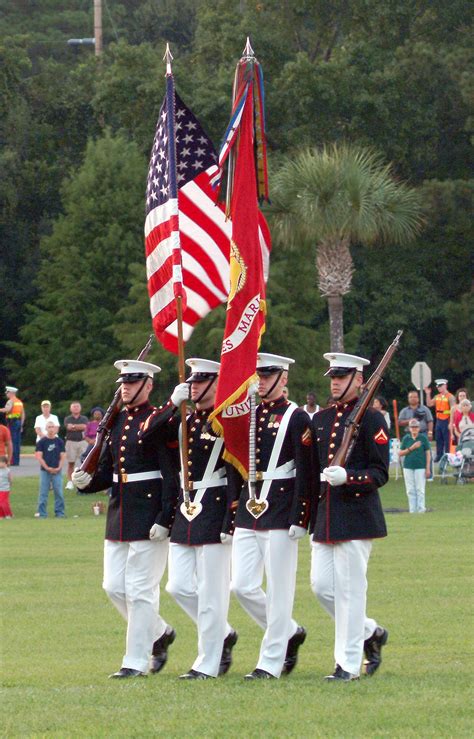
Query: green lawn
(61, 638)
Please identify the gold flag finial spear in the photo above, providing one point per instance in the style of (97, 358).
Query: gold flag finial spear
(168, 58)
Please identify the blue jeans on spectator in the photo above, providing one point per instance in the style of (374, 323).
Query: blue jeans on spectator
(56, 481)
(442, 438)
(14, 424)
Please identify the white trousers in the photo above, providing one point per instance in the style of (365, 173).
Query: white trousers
(199, 581)
(132, 574)
(415, 483)
(254, 552)
(338, 579)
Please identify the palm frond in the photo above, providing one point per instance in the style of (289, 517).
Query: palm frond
(342, 191)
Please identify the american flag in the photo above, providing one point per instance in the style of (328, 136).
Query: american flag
(192, 221)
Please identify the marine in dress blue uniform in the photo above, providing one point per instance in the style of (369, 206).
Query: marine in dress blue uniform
(267, 539)
(199, 564)
(144, 488)
(346, 515)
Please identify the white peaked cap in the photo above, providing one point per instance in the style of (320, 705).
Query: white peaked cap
(270, 361)
(441, 381)
(11, 389)
(135, 369)
(338, 361)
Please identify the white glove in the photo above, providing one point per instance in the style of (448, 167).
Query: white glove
(158, 533)
(180, 393)
(335, 475)
(81, 479)
(226, 538)
(296, 532)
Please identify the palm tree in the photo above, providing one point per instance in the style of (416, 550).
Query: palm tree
(333, 197)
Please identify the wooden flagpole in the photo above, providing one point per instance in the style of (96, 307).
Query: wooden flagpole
(184, 425)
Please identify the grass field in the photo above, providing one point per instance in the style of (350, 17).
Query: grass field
(60, 638)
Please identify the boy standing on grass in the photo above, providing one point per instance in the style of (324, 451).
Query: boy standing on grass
(416, 451)
(5, 487)
(50, 453)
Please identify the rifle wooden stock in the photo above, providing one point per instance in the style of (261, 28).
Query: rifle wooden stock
(92, 460)
(352, 424)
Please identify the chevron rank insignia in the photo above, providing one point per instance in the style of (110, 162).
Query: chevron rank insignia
(381, 437)
(306, 437)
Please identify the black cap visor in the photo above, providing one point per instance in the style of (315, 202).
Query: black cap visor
(339, 371)
(132, 377)
(201, 376)
(267, 371)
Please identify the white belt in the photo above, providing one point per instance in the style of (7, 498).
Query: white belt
(137, 476)
(217, 478)
(284, 472)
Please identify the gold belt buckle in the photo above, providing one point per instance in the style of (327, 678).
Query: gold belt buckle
(259, 476)
(124, 477)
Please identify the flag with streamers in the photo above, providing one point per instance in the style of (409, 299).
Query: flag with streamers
(244, 146)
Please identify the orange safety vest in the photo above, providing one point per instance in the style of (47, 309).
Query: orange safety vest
(17, 409)
(443, 407)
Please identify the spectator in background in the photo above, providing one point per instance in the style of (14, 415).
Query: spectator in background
(414, 409)
(467, 417)
(456, 414)
(42, 420)
(76, 445)
(311, 406)
(15, 413)
(416, 452)
(443, 401)
(380, 404)
(6, 446)
(5, 487)
(50, 454)
(90, 432)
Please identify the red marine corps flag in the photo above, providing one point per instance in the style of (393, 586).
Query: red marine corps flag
(244, 146)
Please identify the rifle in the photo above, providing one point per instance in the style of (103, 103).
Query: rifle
(354, 420)
(105, 426)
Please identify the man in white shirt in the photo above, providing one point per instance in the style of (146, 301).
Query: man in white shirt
(41, 421)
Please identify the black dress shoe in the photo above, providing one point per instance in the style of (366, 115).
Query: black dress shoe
(159, 654)
(340, 675)
(259, 674)
(292, 650)
(127, 672)
(373, 650)
(226, 659)
(195, 675)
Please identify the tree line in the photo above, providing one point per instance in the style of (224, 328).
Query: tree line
(387, 75)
